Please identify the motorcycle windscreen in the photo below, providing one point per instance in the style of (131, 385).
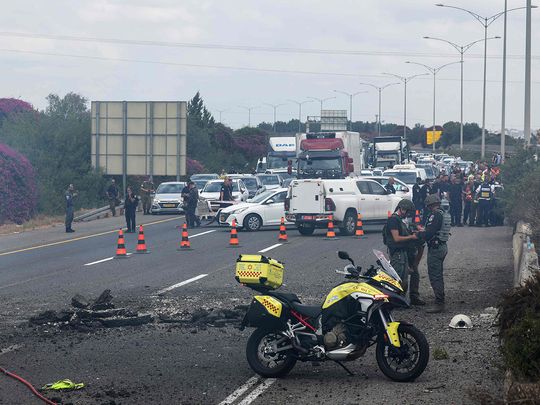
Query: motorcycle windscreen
(387, 267)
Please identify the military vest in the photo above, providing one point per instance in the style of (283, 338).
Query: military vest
(443, 234)
(388, 239)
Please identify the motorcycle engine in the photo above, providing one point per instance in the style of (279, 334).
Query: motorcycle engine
(336, 337)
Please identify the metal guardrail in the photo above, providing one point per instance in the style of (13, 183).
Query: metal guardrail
(96, 212)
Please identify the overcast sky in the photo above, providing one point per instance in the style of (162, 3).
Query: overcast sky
(382, 34)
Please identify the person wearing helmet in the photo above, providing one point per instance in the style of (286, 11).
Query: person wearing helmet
(436, 234)
(398, 237)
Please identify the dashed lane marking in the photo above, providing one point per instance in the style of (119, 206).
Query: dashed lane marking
(104, 260)
(270, 248)
(240, 391)
(258, 391)
(202, 233)
(172, 287)
(81, 238)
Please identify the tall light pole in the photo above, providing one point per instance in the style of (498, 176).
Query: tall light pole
(249, 112)
(405, 80)
(350, 95)
(527, 115)
(274, 106)
(461, 49)
(221, 112)
(321, 100)
(379, 89)
(299, 103)
(486, 22)
(433, 71)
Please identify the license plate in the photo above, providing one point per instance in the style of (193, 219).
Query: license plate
(169, 205)
(308, 217)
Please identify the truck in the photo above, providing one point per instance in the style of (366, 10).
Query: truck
(281, 155)
(330, 155)
(388, 151)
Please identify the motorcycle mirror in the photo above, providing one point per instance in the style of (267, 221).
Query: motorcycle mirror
(343, 255)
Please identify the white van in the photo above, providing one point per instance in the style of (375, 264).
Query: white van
(407, 176)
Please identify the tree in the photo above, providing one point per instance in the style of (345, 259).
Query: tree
(10, 106)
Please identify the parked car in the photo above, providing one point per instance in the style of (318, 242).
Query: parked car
(168, 198)
(402, 190)
(253, 183)
(311, 203)
(270, 181)
(407, 176)
(265, 209)
(200, 183)
(431, 171)
(211, 192)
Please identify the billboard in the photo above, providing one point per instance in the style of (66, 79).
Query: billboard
(139, 137)
(334, 120)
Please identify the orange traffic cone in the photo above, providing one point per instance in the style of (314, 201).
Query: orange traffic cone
(359, 234)
(185, 244)
(121, 247)
(282, 232)
(330, 234)
(141, 243)
(417, 217)
(233, 242)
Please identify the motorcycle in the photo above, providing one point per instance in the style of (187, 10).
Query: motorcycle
(355, 315)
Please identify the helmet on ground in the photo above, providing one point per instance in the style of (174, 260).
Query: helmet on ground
(461, 321)
(432, 199)
(406, 205)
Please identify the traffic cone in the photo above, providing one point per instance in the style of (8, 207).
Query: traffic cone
(330, 234)
(121, 247)
(185, 244)
(141, 243)
(359, 234)
(417, 217)
(233, 242)
(282, 232)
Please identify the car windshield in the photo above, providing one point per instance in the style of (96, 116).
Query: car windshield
(405, 177)
(278, 162)
(269, 180)
(200, 183)
(261, 197)
(175, 188)
(215, 187)
(320, 164)
(386, 266)
(250, 182)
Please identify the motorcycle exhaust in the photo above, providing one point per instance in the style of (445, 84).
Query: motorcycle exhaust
(341, 354)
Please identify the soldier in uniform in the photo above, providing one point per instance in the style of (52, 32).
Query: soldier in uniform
(70, 194)
(147, 188)
(436, 234)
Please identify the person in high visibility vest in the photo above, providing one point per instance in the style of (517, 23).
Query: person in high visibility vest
(485, 194)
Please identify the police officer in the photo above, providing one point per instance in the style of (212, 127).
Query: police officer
(147, 188)
(436, 234)
(70, 194)
(485, 195)
(399, 239)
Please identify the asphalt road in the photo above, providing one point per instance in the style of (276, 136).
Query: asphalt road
(165, 363)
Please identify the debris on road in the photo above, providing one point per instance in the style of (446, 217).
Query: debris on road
(218, 317)
(461, 321)
(63, 385)
(440, 354)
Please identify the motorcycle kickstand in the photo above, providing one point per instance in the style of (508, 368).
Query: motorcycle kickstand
(344, 368)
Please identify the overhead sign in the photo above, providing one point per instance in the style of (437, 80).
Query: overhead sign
(431, 134)
(139, 137)
(334, 120)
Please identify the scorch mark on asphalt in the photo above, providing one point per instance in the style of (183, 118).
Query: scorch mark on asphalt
(172, 287)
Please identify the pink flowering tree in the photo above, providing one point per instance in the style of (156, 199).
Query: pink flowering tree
(17, 187)
(194, 167)
(12, 105)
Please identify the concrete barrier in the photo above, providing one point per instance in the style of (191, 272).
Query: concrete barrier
(525, 256)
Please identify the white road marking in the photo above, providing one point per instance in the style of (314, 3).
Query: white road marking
(104, 260)
(10, 349)
(240, 391)
(172, 287)
(258, 391)
(202, 233)
(270, 247)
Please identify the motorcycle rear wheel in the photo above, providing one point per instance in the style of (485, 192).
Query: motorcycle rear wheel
(405, 363)
(263, 360)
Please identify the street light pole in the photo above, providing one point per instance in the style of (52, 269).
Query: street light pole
(220, 112)
(299, 103)
(405, 80)
(274, 106)
(486, 22)
(461, 49)
(249, 112)
(350, 95)
(433, 71)
(503, 107)
(527, 115)
(321, 100)
(379, 89)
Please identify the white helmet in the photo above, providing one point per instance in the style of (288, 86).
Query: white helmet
(461, 321)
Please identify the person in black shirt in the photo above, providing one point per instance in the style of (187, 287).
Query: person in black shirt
(390, 186)
(456, 201)
(417, 199)
(130, 207)
(226, 193)
(112, 196)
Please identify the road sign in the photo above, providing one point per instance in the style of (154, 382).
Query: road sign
(429, 136)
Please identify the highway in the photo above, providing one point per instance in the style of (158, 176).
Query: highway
(170, 363)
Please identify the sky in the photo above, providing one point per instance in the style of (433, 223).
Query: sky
(251, 52)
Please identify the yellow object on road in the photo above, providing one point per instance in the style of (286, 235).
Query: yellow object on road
(63, 385)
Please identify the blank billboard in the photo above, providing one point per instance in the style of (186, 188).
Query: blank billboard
(139, 137)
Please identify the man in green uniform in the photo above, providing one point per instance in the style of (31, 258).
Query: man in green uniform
(147, 188)
(436, 234)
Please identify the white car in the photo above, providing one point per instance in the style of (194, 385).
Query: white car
(407, 176)
(402, 190)
(270, 181)
(212, 190)
(266, 209)
(168, 198)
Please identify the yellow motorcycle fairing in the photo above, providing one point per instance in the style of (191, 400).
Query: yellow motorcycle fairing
(392, 332)
(272, 305)
(346, 289)
(383, 277)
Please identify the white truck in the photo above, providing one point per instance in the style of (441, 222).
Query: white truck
(310, 203)
(389, 151)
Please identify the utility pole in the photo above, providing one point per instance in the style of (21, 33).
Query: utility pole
(274, 106)
(527, 115)
(249, 112)
(379, 89)
(321, 100)
(299, 103)
(351, 96)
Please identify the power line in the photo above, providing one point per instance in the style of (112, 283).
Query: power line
(245, 48)
(226, 67)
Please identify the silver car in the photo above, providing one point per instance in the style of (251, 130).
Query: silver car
(168, 198)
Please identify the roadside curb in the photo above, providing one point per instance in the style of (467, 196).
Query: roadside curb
(525, 256)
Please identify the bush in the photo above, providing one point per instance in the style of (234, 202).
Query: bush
(17, 188)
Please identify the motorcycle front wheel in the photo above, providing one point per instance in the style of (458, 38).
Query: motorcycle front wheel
(405, 363)
(262, 355)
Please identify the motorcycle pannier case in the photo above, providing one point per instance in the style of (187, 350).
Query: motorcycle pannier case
(260, 271)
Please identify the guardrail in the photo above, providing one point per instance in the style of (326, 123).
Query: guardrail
(91, 214)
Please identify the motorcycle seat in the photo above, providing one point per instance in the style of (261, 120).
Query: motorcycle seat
(311, 311)
(287, 297)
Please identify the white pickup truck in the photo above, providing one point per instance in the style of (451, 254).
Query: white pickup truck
(311, 202)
